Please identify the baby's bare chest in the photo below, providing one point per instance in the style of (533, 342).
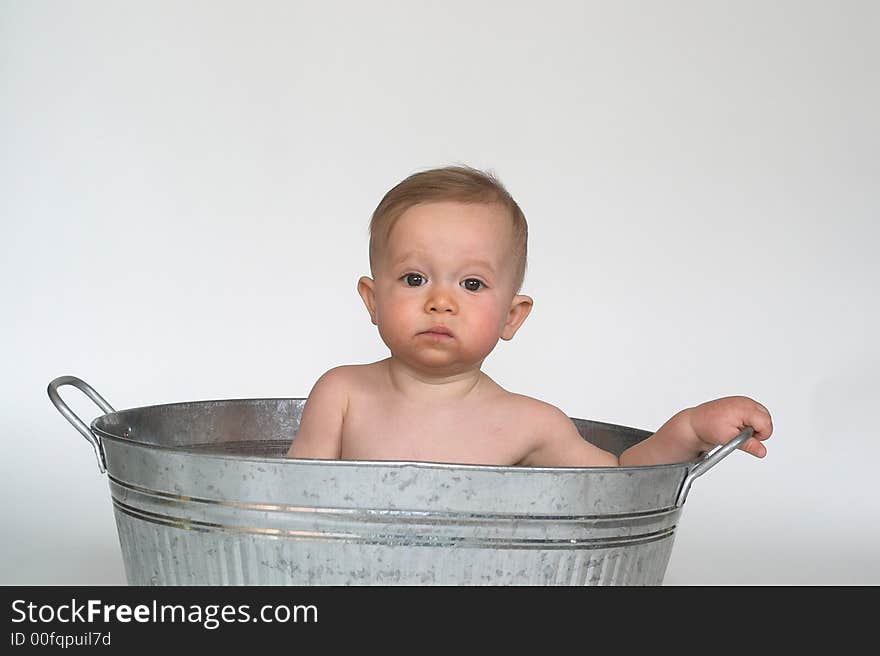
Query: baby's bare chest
(471, 434)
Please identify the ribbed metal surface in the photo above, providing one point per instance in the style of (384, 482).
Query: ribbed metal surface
(163, 555)
(203, 496)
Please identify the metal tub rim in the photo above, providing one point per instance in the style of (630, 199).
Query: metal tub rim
(105, 434)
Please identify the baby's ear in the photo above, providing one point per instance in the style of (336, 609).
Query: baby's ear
(365, 289)
(520, 307)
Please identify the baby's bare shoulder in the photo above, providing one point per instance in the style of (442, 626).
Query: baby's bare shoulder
(351, 377)
(536, 424)
(534, 412)
(335, 377)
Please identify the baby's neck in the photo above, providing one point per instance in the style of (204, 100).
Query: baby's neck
(427, 387)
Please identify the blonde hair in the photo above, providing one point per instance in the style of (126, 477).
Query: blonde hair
(461, 184)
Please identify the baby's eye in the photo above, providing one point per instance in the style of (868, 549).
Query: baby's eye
(414, 279)
(472, 284)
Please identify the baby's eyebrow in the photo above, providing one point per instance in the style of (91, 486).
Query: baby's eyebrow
(481, 263)
(404, 258)
(468, 264)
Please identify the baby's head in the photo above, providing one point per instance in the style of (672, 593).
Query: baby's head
(451, 184)
(447, 254)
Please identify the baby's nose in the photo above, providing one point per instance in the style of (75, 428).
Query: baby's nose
(441, 301)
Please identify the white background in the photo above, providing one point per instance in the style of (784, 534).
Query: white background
(185, 189)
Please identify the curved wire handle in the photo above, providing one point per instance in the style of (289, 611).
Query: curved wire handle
(710, 460)
(78, 423)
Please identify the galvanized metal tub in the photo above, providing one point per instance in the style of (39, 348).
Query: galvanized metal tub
(203, 495)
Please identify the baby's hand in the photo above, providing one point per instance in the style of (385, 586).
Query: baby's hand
(719, 421)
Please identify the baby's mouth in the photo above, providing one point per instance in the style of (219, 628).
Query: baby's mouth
(437, 331)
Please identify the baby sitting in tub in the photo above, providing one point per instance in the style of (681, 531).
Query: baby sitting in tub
(448, 256)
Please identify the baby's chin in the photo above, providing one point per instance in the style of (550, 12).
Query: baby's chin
(437, 361)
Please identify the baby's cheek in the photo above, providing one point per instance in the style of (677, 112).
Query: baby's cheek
(392, 312)
(488, 328)
(389, 323)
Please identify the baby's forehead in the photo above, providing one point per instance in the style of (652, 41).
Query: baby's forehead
(470, 236)
(467, 222)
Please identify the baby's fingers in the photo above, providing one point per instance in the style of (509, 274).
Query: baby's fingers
(761, 421)
(754, 447)
(762, 424)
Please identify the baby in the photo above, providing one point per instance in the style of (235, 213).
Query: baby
(448, 256)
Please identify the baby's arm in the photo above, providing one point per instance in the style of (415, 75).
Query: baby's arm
(684, 437)
(696, 430)
(320, 429)
(559, 444)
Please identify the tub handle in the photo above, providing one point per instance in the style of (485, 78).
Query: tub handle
(709, 460)
(78, 423)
